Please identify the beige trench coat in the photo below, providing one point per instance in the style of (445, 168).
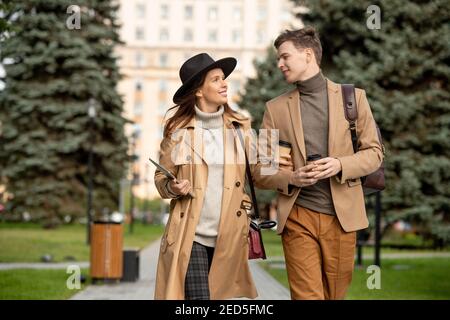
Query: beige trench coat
(229, 274)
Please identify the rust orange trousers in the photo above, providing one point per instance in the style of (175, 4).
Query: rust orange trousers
(319, 255)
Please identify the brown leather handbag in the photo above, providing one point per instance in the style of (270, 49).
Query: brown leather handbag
(255, 242)
(373, 182)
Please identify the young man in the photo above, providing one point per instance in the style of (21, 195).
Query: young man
(320, 203)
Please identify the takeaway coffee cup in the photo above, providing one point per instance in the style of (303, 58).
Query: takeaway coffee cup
(313, 157)
(285, 152)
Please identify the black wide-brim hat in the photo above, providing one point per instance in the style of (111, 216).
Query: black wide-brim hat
(196, 66)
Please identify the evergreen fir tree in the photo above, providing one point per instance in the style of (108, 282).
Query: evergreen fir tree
(404, 68)
(51, 73)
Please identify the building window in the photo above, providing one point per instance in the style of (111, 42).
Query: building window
(163, 85)
(164, 11)
(163, 58)
(137, 130)
(262, 13)
(140, 35)
(188, 35)
(138, 85)
(138, 108)
(212, 36)
(212, 13)
(188, 12)
(236, 35)
(164, 34)
(162, 108)
(140, 10)
(237, 14)
(139, 59)
(260, 36)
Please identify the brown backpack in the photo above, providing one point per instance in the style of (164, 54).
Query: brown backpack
(373, 182)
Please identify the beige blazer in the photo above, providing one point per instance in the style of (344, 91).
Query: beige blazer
(283, 113)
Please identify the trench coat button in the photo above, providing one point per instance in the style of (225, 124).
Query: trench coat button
(188, 158)
(238, 184)
(182, 214)
(238, 213)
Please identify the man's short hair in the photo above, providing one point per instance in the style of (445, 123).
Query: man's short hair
(306, 37)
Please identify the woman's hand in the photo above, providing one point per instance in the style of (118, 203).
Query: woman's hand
(180, 187)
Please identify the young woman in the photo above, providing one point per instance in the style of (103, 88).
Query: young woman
(204, 249)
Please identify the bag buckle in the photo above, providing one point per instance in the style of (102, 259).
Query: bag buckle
(247, 205)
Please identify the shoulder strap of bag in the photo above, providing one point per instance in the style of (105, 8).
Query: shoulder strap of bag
(351, 111)
(247, 170)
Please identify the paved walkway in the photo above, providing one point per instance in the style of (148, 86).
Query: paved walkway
(267, 287)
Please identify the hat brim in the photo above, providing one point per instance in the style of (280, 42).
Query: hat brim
(226, 64)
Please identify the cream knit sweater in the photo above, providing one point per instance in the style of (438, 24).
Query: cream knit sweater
(211, 125)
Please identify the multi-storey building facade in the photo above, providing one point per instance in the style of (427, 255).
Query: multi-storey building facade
(159, 35)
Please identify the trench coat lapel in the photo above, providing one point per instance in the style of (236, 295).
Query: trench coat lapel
(231, 166)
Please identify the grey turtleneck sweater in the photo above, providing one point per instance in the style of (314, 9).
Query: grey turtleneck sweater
(213, 154)
(314, 111)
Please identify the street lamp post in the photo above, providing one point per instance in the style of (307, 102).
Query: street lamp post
(377, 229)
(146, 180)
(134, 178)
(92, 114)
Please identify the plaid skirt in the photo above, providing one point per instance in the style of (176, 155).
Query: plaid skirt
(196, 286)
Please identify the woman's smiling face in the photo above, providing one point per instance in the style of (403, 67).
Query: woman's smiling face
(214, 88)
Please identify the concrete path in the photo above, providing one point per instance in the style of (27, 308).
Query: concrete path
(267, 287)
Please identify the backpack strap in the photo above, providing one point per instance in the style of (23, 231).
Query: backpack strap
(351, 111)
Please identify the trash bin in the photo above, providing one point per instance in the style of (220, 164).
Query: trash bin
(106, 251)
(130, 264)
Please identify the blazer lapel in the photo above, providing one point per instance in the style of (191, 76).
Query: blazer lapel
(296, 119)
(334, 102)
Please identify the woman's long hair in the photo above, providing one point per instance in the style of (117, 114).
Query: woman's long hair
(185, 109)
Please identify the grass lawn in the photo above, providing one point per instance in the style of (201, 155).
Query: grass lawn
(27, 242)
(30, 284)
(402, 278)
(409, 279)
